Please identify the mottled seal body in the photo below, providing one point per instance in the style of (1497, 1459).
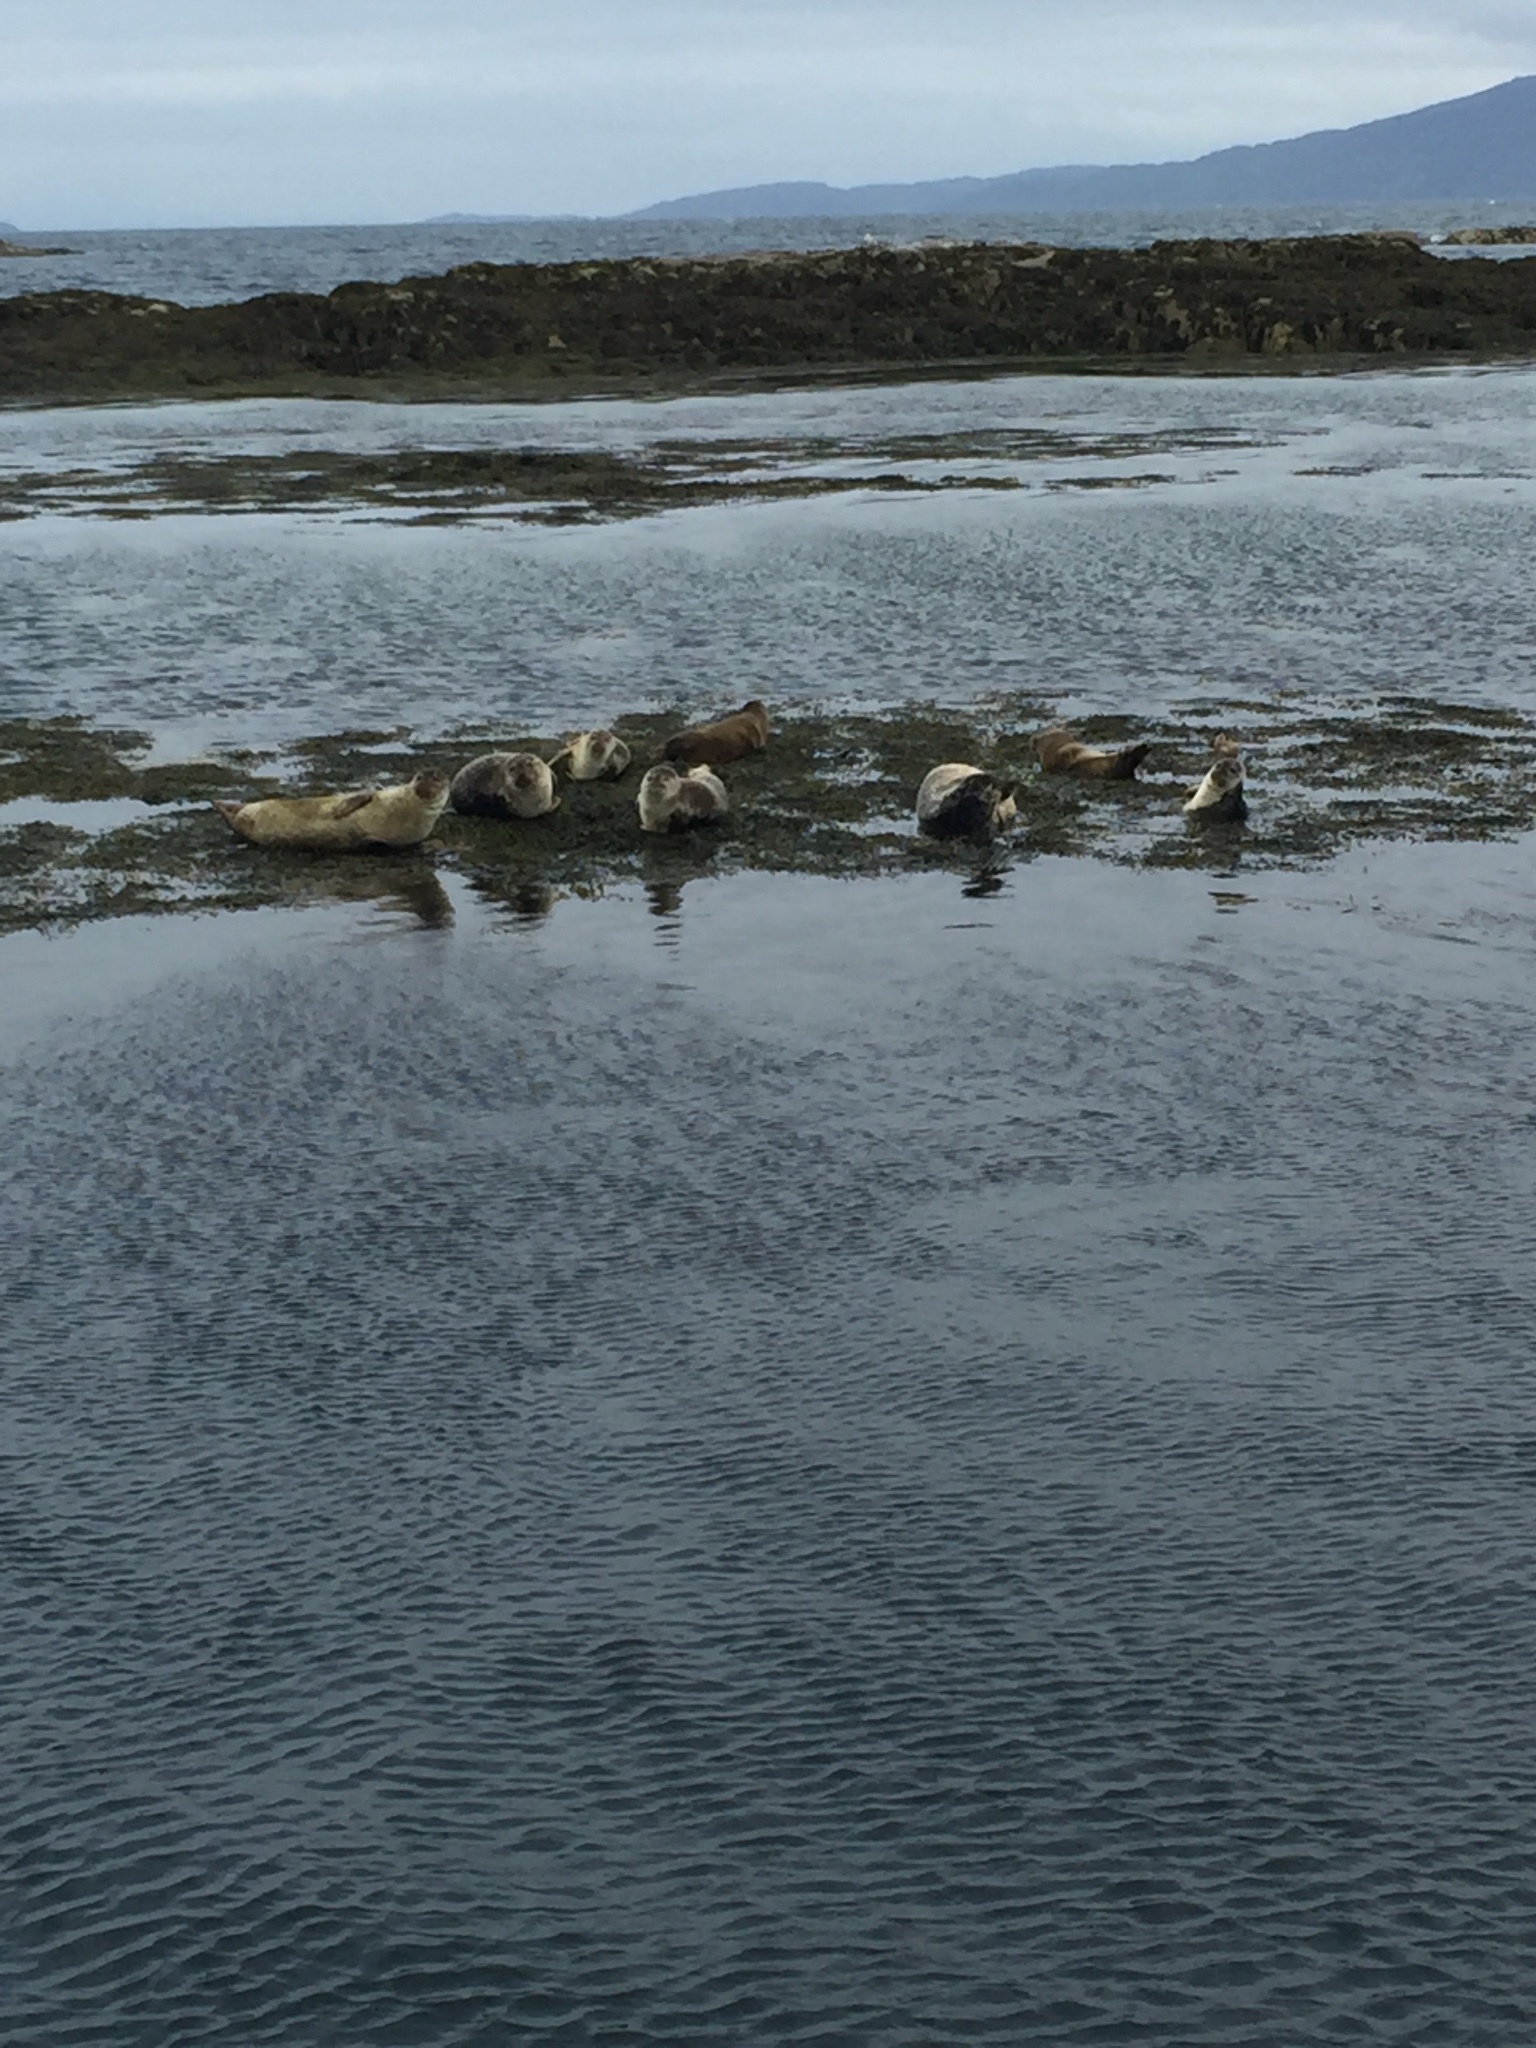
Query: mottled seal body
(957, 801)
(504, 786)
(401, 815)
(670, 801)
(1060, 753)
(592, 756)
(726, 740)
(1220, 799)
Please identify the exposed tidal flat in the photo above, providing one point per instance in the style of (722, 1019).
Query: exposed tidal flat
(794, 1437)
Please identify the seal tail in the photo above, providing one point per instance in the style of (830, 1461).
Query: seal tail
(1129, 759)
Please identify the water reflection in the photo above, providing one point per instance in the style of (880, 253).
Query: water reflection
(525, 901)
(665, 898)
(531, 902)
(409, 888)
(988, 876)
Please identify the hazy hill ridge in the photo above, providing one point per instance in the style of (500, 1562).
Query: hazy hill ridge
(1479, 148)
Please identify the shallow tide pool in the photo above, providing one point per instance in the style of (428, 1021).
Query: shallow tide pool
(871, 1461)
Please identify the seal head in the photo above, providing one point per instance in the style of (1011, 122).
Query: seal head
(593, 757)
(1219, 798)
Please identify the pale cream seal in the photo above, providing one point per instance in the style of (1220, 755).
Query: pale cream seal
(401, 815)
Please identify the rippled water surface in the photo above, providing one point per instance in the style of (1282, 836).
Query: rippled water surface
(837, 1462)
(209, 266)
(1227, 539)
(769, 1459)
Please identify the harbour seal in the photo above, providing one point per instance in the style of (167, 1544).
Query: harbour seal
(957, 801)
(670, 801)
(401, 815)
(726, 740)
(1059, 753)
(591, 756)
(504, 786)
(1220, 799)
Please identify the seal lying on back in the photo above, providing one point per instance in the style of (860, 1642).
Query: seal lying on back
(725, 741)
(957, 801)
(504, 786)
(401, 815)
(591, 756)
(1059, 753)
(670, 801)
(1220, 798)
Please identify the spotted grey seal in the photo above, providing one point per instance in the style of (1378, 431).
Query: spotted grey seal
(591, 756)
(670, 801)
(1220, 799)
(504, 786)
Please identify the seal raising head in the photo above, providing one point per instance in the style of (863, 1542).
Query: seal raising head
(725, 741)
(592, 756)
(401, 815)
(1220, 799)
(957, 801)
(670, 801)
(1060, 753)
(504, 786)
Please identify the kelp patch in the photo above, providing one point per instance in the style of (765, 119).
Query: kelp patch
(574, 485)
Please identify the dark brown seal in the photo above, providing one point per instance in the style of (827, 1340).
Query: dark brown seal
(1059, 753)
(725, 740)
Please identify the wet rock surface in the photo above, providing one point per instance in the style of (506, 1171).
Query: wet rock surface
(86, 833)
(560, 329)
(1492, 237)
(10, 248)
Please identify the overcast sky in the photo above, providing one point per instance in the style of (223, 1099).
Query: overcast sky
(124, 113)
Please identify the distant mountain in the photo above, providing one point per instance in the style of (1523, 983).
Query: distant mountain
(449, 220)
(1478, 148)
(8, 230)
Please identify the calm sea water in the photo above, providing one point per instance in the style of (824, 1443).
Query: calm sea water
(202, 266)
(801, 1461)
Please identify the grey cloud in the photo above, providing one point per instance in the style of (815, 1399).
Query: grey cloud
(115, 112)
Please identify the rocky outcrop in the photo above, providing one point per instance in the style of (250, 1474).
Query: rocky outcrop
(8, 248)
(1492, 237)
(531, 329)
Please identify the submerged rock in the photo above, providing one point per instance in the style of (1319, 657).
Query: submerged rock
(1491, 237)
(9, 248)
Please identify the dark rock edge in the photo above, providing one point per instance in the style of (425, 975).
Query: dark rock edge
(557, 330)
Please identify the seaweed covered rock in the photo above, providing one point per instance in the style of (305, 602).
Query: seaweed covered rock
(523, 329)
